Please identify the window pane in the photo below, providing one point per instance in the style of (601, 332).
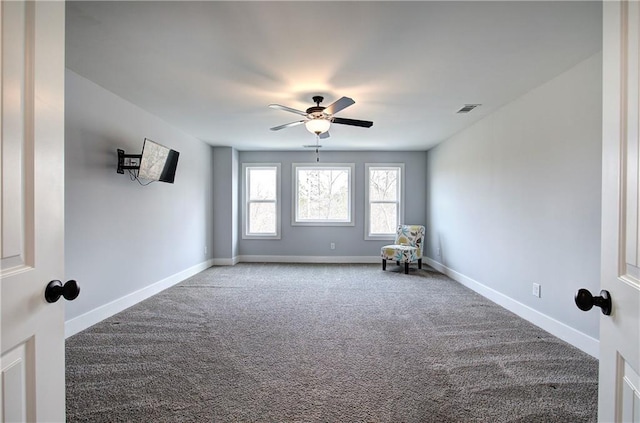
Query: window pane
(262, 218)
(262, 184)
(383, 184)
(384, 218)
(323, 194)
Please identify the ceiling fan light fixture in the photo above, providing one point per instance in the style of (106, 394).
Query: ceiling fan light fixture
(317, 126)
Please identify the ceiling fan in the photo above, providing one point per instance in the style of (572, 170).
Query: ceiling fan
(318, 119)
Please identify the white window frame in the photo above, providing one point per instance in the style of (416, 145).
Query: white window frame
(246, 201)
(399, 202)
(350, 167)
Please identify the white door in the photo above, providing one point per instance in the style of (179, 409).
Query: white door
(619, 384)
(32, 206)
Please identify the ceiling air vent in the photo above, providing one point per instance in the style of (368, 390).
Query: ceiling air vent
(468, 107)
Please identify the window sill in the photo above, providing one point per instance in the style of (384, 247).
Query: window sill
(323, 224)
(380, 237)
(264, 237)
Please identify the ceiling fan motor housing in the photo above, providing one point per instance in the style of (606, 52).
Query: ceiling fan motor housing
(315, 110)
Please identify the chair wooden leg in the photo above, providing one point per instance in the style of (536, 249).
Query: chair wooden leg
(419, 263)
(384, 264)
(406, 267)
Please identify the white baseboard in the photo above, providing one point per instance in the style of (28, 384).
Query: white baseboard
(568, 334)
(309, 259)
(90, 318)
(225, 261)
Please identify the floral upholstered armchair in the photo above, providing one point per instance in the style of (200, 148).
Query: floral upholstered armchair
(407, 247)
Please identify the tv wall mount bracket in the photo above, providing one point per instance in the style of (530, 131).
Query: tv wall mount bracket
(128, 161)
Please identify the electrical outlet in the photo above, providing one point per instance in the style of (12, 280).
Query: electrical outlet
(332, 246)
(536, 290)
(438, 252)
(205, 249)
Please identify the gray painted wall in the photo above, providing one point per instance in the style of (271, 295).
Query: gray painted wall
(515, 199)
(225, 198)
(235, 195)
(349, 240)
(120, 236)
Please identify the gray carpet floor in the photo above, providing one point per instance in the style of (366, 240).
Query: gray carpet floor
(324, 343)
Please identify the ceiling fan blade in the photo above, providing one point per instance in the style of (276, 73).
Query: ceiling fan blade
(338, 105)
(287, 109)
(353, 122)
(288, 125)
(324, 135)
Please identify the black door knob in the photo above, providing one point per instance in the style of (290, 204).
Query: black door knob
(55, 289)
(585, 301)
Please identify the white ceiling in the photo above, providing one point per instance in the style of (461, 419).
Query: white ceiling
(212, 68)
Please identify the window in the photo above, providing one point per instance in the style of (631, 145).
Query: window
(384, 209)
(323, 195)
(261, 210)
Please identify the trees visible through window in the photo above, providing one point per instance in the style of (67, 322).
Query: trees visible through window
(384, 200)
(262, 197)
(323, 194)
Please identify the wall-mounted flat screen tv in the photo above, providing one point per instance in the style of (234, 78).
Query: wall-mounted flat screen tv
(158, 163)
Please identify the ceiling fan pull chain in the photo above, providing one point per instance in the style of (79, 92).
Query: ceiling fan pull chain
(317, 152)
